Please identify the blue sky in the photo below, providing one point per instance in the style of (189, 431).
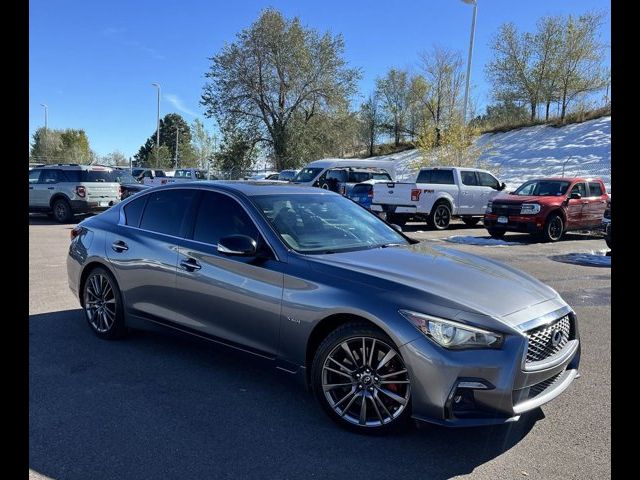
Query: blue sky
(93, 62)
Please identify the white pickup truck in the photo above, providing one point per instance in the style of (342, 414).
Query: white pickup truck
(438, 194)
(180, 175)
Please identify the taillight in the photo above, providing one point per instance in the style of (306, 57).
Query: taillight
(81, 191)
(415, 194)
(75, 232)
(370, 193)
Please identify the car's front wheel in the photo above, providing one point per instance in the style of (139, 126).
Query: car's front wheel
(102, 303)
(360, 379)
(553, 228)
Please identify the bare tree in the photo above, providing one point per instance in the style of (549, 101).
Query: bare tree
(581, 56)
(370, 121)
(444, 78)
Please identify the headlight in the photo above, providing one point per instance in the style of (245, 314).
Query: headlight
(489, 207)
(450, 334)
(529, 209)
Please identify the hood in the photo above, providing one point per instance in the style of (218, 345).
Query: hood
(479, 284)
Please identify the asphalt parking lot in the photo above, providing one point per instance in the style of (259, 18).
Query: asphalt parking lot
(157, 406)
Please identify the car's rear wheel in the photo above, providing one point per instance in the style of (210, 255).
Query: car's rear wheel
(102, 303)
(62, 211)
(553, 228)
(360, 379)
(607, 237)
(440, 217)
(397, 219)
(496, 233)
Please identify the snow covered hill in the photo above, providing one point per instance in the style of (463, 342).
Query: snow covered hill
(582, 148)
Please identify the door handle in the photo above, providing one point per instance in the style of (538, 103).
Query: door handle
(51, 188)
(119, 246)
(190, 265)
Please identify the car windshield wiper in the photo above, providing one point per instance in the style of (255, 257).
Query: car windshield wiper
(386, 245)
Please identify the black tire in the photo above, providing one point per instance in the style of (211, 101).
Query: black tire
(607, 237)
(440, 216)
(471, 221)
(382, 413)
(62, 211)
(110, 325)
(496, 233)
(553, 228)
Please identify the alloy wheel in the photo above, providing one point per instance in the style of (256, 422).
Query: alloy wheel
(442, 217)
(555, 228)
(366, 382)
(100, 303)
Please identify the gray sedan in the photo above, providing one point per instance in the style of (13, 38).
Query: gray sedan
(380, 327)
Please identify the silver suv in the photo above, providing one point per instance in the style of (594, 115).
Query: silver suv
(63, 190)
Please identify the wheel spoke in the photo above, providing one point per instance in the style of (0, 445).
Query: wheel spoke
(340, 365)
(331, 386)
(337, 371)
(363, 409)
(346, 348)
(392, 374)
(390, 354)
(375, 407)
(373, 349)
(348, 395)
(364, 353)
(393, 396)
(344, 411)
(383, 406)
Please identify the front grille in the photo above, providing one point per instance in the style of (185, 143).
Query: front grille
(548, 340)
(533, 391)
(505, 209)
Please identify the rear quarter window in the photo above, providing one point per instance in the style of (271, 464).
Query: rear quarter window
(133, 211)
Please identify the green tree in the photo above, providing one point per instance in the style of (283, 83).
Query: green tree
(75, 146)
(276, 71)
(115, 158)
(203, 144)
(393, 90)
(46, 146)
(168, 126)
(237, 152)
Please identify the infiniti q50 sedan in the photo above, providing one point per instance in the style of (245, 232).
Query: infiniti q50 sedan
(380, 327)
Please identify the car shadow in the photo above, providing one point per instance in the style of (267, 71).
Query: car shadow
(43, 219)
(159, 406)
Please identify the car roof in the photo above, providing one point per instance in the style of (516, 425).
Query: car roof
(566, 179)
(250, 188)
(341, 162)
(75, 166)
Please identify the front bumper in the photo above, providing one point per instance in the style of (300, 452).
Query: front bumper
(516, 223)
(484, 387)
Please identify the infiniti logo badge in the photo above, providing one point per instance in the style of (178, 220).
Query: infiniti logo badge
(556, 338)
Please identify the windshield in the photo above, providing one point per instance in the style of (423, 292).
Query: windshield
(543, 188)
(124, 177)
(137, 171)
(316, 223)
(307, 174)
(286, 175)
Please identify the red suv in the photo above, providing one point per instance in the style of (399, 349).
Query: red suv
(548, 207)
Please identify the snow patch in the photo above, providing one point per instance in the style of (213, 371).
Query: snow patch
(483, 241)
(594, 258)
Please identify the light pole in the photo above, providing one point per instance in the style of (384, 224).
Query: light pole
(157, 85)
(177, 130)
(46, 116)
(473, 32)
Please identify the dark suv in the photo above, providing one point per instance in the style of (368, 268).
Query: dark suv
(548, 207)
(343, 179)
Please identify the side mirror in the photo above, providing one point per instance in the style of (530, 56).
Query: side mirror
(502, 186)
(238, 245)
(396, 227)
(575, 196)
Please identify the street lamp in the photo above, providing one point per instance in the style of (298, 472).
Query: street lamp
(46, 115)
(473, 32)
(157, 85)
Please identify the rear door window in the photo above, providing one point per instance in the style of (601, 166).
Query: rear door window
(220, 216)
(468, 177)
(595, 190)
(166, 210)
(34, 175)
